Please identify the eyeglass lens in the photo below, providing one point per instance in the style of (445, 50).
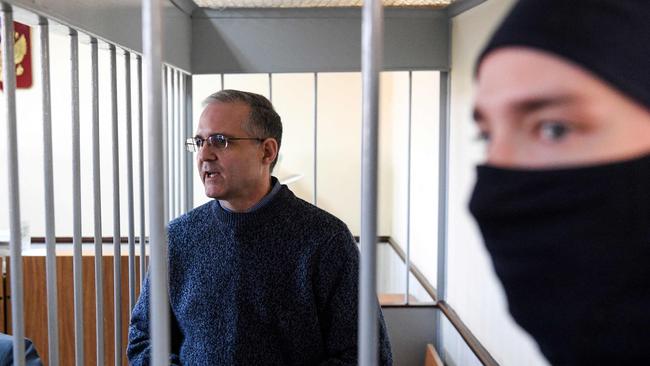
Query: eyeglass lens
(218, 141)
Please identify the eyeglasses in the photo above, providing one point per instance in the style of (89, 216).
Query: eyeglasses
(219, 141)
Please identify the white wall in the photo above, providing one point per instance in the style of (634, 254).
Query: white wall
(339, 134)
(30, 142)
(473, 289)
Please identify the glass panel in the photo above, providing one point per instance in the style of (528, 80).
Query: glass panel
(424, 173)
(293, 98)
(455, 351)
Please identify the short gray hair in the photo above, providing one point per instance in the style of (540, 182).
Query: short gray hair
(263, 122)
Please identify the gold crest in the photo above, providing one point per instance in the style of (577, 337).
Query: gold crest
(20, 50)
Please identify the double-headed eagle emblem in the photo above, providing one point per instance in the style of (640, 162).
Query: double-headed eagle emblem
(20, 50)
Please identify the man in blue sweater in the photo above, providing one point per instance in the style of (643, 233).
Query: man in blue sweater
(257, 275)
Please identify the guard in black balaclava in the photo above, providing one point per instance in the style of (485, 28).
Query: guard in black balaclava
(572, 245)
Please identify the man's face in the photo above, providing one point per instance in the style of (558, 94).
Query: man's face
(538, 111)
(235, 173)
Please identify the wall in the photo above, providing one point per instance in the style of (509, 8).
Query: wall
(474, 290)
(339, 134)
(30, 145)
(117, 21)
(328, 40)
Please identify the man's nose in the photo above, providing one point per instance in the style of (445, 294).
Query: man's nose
(206, 153)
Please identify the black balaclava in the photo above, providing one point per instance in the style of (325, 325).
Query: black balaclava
(610, 38)
(572, 246)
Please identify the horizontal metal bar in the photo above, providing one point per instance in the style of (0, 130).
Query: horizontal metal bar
(428, 287)
(472, 342)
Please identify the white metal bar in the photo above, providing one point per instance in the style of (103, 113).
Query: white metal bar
(407, 262)
(76, 202)
(177, 145)
(189, 173)
(371, 61)
(143, 239)
(270, 87)
(165, 142)
(48, 176)
(171, 128)
(9, 83)
(97, 206)
(117, 250)
(129, 180)
(152, 46)
(315, 139)
(443, 182)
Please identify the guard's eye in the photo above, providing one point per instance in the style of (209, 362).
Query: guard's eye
(554, 131)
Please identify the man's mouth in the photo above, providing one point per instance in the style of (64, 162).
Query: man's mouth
(208, 175)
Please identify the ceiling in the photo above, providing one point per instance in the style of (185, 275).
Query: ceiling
(222, 4)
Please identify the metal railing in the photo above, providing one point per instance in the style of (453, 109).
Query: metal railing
(470, 339)
(168, 120)
(178, 123)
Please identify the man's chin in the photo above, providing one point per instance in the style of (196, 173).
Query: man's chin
(218, 195)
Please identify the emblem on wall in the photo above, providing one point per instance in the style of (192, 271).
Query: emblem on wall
(22, 56)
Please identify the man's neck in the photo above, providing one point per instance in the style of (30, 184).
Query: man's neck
(245, 203)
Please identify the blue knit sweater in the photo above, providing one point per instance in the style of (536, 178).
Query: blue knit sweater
(276, 286)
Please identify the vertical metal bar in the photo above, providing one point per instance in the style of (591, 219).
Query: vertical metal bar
(189, 176)
(223, 82)
(9, 79)
(315, 138)
(371, 61)
(76, 202)
(165, 142)
(177, 145)
(443, 182)
(97, 200)
(171, 129)
(270, 87)
(129, 180)
(117, 245)
(48, 175)
(143, 268)
(180, 174)
(408, 193)
(152, 46)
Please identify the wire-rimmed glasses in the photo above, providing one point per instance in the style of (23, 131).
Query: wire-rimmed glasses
(219, 141)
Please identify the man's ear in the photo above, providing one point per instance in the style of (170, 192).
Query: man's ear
(270, 149)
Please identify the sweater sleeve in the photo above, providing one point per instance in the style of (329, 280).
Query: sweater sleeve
(338, 294)
(138, 350)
